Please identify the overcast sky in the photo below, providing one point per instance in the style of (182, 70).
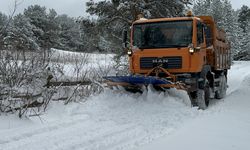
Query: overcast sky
(73, 8)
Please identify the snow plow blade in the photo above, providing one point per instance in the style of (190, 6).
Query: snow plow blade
(138, 81)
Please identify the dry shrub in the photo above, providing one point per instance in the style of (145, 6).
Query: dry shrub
(25, 78)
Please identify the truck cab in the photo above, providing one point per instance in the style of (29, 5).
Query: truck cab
(191, 50)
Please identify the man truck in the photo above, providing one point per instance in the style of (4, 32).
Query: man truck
(189, 53)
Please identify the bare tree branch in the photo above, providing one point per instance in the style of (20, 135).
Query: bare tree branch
(16, 4)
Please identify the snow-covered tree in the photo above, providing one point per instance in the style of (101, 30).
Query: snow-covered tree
(91, 35)
(46, 28)
(52, 30)
(248, 42)
(70, 34)
(218, 12)
(3, 21)
(230, 24)
(39, 28)
(226, 18)
(20, 35)
(244, 24)
(202, 7)
(213, 8)
(244, 17)
(127, 11)
(244, 53)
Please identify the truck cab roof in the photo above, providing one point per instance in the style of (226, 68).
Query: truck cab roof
(164, 19)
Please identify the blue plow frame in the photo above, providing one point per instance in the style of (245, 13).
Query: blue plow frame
(137, 80)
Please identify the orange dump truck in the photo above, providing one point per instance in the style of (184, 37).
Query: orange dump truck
(188, 53)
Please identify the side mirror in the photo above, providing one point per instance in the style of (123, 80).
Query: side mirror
(193, 49)
(125, 39)
(197, 49)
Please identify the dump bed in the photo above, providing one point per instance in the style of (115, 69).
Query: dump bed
(218, 54)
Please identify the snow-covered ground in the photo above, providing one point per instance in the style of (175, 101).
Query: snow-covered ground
(224, 126)
(116, 120)
(85, 62)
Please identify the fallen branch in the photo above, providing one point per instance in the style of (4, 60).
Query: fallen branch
(67, 83)
(69, 99)
(21, 96)
(30, 105)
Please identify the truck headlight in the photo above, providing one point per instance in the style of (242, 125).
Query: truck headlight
(130, 53)
(191, 50)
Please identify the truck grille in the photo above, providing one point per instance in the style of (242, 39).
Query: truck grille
(165, 62)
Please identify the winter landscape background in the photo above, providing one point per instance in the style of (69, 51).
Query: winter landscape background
(41, 51)
(40, 28)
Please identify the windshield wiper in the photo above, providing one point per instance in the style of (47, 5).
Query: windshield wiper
(177, 45)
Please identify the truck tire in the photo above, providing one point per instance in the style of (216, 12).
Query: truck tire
(221, 93)
(203, 96)
(133, 90)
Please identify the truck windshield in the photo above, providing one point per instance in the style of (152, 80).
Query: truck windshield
(169, 34)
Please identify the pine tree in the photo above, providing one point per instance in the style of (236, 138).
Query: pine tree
(39, 29)
(244, 17)
(244, 54)
(226, 18)
(248, 42)
(230, 24)
(244, 24)
(202, 7)
(91, 35)
(70, 34)
(210, 8)
(52, 29)
(3, 22)
(217, 12)
(20, 35)
(127, 11)
(46, 28)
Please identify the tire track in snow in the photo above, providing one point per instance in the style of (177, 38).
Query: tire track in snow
(69, 136)
(107, 137)
(29, 133)
(125, 140)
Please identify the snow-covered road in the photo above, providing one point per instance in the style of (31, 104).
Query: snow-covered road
(118, 120)
(226, 126)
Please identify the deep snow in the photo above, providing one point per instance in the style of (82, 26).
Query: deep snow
(153, 120)
(227, 129)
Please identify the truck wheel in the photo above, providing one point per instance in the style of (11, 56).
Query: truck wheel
(201, 97)
(133, 90)
(221, 93)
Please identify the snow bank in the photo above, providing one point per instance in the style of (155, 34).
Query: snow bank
(111, 120)
(239, 71)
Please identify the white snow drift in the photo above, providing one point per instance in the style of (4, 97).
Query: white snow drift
(119, 120)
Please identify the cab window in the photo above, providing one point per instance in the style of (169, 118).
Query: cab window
(200, 38)
(208, 34)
